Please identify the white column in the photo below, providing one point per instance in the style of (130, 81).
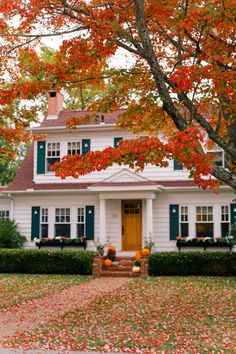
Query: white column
(149, 218)
(102, 221)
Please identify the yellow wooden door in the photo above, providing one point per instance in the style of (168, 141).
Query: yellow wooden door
(131, 225)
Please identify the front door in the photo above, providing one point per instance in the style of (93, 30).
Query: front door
(131, 225)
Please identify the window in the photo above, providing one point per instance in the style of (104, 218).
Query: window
(53, 154)
(4, 214)
(62, 222)
(80, 223)
(218, 157)
(204, 221)
(44, 222)
(184, 221)
(224, 220)
(73, 148)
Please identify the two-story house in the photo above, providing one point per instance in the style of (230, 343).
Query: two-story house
(117, 203)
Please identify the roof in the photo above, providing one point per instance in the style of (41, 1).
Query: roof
(65, 116)
(23, 181)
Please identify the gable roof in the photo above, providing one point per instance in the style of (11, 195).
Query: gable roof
(65, 116)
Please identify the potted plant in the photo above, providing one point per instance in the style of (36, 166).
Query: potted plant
(100, 247)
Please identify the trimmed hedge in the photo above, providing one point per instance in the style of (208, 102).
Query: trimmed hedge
(192, 263)
(46, 261)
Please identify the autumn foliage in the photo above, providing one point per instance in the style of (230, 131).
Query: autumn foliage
(179, 79)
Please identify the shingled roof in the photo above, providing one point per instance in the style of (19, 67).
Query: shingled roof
(65, 116)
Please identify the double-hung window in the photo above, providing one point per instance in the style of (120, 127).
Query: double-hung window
(4, 214)
(224, 220)
(53, 154)
(80, 223)
(62, 222)
(184, 226)
(204, 221)
(73, 148)
(44, 222)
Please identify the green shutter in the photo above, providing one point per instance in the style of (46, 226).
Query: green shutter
(41, 157)
(232, 213)
(85, 146)
(116, 142)
(174, 221)
(35, 222)
(177, 166)
(90, 222)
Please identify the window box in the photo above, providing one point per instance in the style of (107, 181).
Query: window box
(205, 243)
(61, 242)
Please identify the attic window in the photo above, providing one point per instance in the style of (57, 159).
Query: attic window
(52, 94)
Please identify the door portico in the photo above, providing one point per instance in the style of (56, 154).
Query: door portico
(131, 226)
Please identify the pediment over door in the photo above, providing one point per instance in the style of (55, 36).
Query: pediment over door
(125, 176)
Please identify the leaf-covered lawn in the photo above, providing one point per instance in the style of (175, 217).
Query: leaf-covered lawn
(153, 315)
(17, 288)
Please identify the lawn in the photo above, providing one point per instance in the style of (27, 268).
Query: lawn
(150, 315)
(17, 288)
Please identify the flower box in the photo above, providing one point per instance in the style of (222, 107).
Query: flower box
(209, 243)
(62, 242)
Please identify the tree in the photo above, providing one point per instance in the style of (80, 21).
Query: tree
(182, 80)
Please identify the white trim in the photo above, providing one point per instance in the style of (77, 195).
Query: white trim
(131, 177)
(132, 195)
(125, 188)
(80, 127)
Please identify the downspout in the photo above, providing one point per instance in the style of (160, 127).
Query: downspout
(11, 206)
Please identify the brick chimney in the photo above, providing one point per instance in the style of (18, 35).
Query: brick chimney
(55, 104)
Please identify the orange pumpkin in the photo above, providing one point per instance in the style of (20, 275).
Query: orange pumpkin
(138, 255)
(145, 252)
(107, 262)
(112, 248)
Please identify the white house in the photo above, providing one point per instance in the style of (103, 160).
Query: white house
(117, 203)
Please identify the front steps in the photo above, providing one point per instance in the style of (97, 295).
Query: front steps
(124, 268)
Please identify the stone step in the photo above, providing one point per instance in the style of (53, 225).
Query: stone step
(119, 268)
(110, 273)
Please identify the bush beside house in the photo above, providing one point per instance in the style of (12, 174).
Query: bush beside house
(192, 263)
(46, 262)
(10, 237)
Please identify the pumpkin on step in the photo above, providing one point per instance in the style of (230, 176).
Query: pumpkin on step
(145, 252)
(138, 255)
(107, 262)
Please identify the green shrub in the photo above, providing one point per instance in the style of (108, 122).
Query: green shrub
(46, 262)
(192, 263)
(10, 237)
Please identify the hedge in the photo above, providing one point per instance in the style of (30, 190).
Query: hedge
(46, 261)
(192, 263)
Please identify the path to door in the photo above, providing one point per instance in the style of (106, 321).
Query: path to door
(40, 311)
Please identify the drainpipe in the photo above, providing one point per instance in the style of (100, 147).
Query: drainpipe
(11, 206)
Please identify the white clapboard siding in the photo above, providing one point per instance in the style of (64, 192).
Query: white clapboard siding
(190, 199)
(23, 205)
(99, 141)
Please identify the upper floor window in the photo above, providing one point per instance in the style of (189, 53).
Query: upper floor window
(224, 220)
(184, 221)
(53, 154)
(73, 148)
(204, 221)
(4, 214)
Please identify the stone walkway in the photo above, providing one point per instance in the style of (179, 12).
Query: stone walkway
(40, 311)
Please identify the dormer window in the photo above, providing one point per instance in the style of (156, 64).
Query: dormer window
(73, 148)
(53, 154)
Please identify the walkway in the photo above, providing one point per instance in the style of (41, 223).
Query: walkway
(40, 311)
